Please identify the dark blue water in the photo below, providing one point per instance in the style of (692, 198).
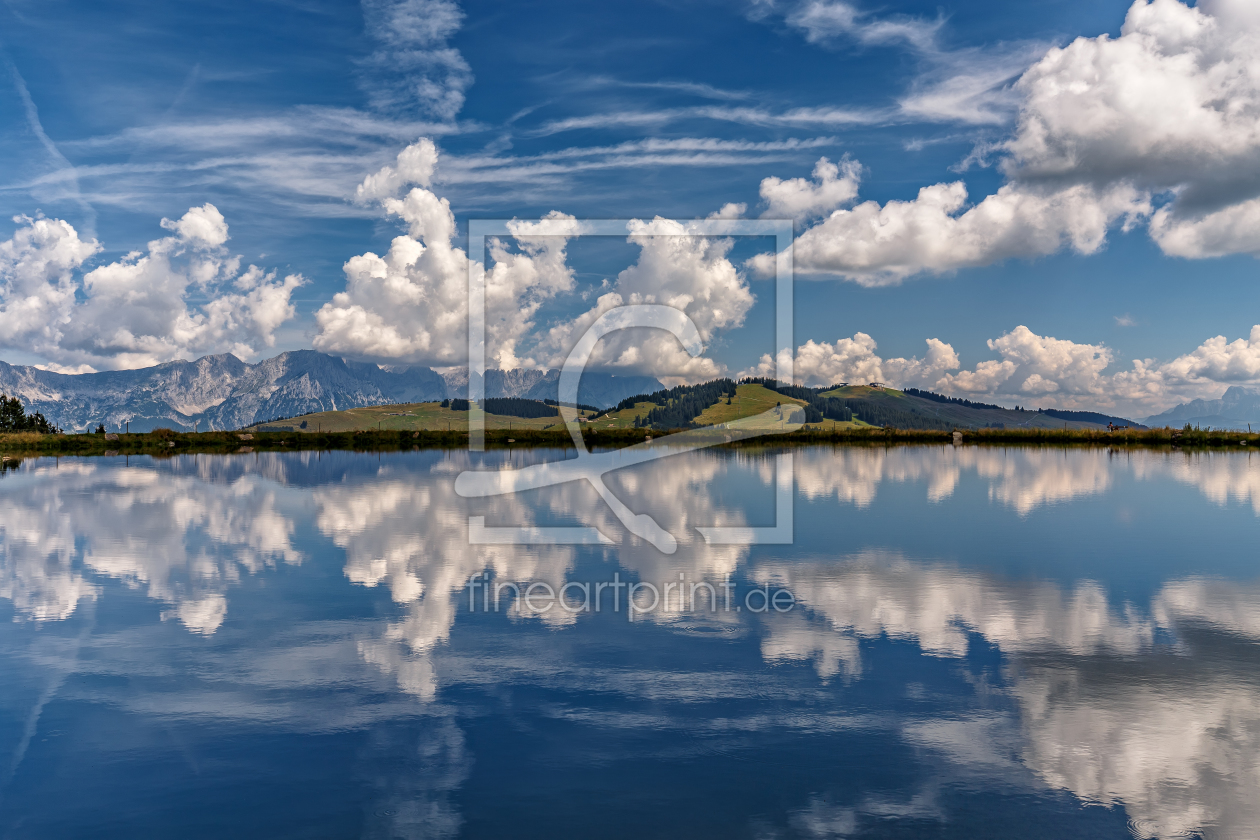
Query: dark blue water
(972, 643)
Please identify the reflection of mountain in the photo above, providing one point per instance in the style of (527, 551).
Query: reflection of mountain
(1172, 733)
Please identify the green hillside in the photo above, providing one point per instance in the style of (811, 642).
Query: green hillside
(869, 407)
(430, 416)
(888, 406)
(749, 400)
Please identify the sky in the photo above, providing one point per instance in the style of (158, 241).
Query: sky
(1051, 203)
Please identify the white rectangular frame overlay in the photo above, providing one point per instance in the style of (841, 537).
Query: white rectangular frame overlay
(479, 229)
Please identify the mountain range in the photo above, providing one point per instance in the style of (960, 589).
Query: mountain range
(1236, 408)
(222, 392)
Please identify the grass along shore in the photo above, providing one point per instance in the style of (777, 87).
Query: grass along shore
(164, 442)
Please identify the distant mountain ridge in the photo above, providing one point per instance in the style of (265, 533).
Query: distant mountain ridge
(1236, 408)
(222, 392)
(602, 390)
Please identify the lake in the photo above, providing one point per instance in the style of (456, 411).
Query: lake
(957, 643)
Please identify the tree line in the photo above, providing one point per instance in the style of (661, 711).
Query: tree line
(518, 407)
(941, 398)
(817, 407)
(876, 412)
(13, 418)
(677, 407)
(580, 406)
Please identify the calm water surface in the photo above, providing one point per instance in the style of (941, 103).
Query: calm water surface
(1022, 643)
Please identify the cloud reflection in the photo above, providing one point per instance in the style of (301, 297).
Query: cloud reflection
(180, 538)
(1222, 477)
(1171, 732)
(1020, 478)
(1154, 705)
(408, 531)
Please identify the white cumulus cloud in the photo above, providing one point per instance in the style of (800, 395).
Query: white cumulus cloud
(833, 185)
(37, 268)
(854, 360)
(1160, 126)
(878, 245)
(1074, 375)
(677, 268)
(1037, 370)
(411, 305)
(136, 312)
(1036, 365)
(414, 165)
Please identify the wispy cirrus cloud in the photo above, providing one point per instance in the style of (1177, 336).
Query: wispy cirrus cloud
(277, 159)
(414, 67)
(808, 117)
(968, 85)
(305, 161)
(699, 89)
(682, 151)
(63, 170)
(824, 20)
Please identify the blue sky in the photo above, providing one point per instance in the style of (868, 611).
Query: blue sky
(118, 115)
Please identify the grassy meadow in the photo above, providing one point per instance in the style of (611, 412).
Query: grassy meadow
(409, 417)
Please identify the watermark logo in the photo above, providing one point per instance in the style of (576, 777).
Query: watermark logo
(634, 598)
(593, 466)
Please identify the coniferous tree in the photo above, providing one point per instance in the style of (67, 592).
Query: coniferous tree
(516, 407)
(13, 418)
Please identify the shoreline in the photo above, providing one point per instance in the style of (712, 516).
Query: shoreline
(166, 442)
